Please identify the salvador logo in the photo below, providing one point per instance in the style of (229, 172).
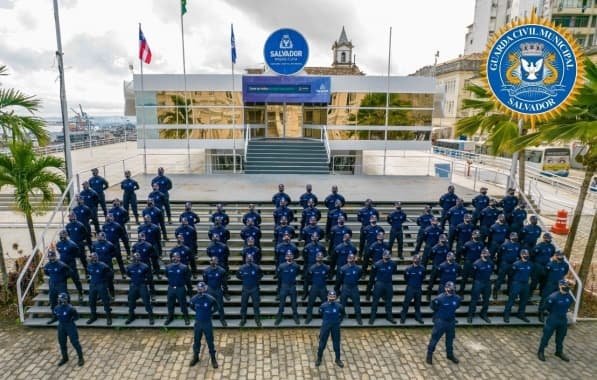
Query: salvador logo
(533, 68)
(286, 42)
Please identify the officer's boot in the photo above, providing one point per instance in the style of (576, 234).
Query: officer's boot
(194, 359)
(151, 319)
(339, 363)
(541, 355)
(541, 316)
(223, 322)
(169, 319)
(214, 361)
(130, 319)
(429, 291)
(92, 319)
(562, 356)
(308, 319)
(494, 293)
(187, 321)
(243, 321)
(109, 319)
(80, 297)
(318, 361)
(63, 361)
(137, 219)
(81, 361)
(429, 359)
(257, 321)
(453, 359)
(278, 320)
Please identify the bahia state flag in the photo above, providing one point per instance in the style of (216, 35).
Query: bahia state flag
(144, 51)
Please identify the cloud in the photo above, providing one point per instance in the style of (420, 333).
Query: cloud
(26, 19)
(23, 60)
(102, 54)
(7, 4)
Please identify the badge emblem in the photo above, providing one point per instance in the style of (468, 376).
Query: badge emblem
(532, 68)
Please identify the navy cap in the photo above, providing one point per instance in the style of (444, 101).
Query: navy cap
(564, 282)
(201, 286)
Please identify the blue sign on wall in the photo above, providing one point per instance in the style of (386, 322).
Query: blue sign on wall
(286, 51)
(269, 89)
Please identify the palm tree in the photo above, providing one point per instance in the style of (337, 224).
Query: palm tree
(30, 176)
(499, 126)
(17, 127)
(176, 116)
(577, 123)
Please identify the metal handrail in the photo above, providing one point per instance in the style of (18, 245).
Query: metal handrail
(326, 141)
(39, 249)
(247, 138)
(574, 274)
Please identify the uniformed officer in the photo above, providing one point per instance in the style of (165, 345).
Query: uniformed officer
(370, 234)
(462, 234)
(431, 238)
(287, 273)
(438, 255)
(530, 233)
(69, 251)
(540, 256)
(220, 250)
(333, 218)
(189, 214)
(308, 196)
(84, 214)
(157, 217)
(282, 211)
(365, 217)
(220, 212)
(280, 195)
(105, 253)
(518, 217)
(283, 229)
(336, 235)
(66, 316)
(487, 219)
(330, 200)
(414, 276)
(121, 216)
(57, 273)
(340, 258)
(396, 219)
(100, 275)
(251, 249)
(158, 197)
(332, 314)
(183, 251)
(250, 275)
(455, 217)
(479, 202)
(148, 256)
(179, 277)
(129, 197)
(253, 214)
(115, 233)
(482, 270)
(348, 277)
(383, 270)
(218, 229)
(423, 221)
(281, 249)
(91, 200)
(310, 253)
(204, 306)
(189, 238)
(99, 184)
(449, 270)
(374, 254)
(215, 278)
(471, 251)
(509, 203)
(152, 234)
(318, 274)
(521, 273)
(444, 322)
(251, 231)
(556, 304)
(498, 233)
(508, 254)
(140, 275)
(556, 270)
(310, 229)
(165, 186)
(80, 234)
(309, 211)
(446, 202)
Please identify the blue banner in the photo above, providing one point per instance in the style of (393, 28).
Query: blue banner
(268, 89)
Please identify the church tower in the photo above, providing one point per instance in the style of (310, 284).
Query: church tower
(342, 50)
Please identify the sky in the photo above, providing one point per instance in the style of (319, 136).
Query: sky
(100, 40)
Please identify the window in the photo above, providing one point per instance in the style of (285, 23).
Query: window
(343, 57)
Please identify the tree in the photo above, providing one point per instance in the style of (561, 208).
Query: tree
(29, 176)
(16, 127)
(176, 116)
(499, 127)
(577, 123)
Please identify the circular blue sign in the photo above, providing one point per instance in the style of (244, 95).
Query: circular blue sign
(532, 69)
(286, 51)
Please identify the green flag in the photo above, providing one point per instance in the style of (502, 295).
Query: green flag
(183, 6)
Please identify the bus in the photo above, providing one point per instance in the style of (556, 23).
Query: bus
(460, 148)
(548, 160)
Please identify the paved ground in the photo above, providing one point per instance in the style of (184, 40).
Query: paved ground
(485, 353)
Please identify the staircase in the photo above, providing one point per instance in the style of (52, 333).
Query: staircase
(38, 311)
(286, 156)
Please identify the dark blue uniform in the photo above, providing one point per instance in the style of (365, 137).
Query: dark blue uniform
(114, 234)
(332, 314)
(309, 257)
(509, 253)
(279, 232)
(318, 274)
(414, 276)
(283, 212)
(99, 184)
(221, 231)
(152, 236)
(252, 215)
(488, 218)
(221, 251)
(281, 250)
(179, 277)
(479, 202)
(204, 306)
(396, 219)
(287, 273)
(100, 275)
(91, 200)
(423, 221)
(84, 215)
(158, 199)
(444, 312)
(121, 216)
(540, 256)
(308, 212)
(373, 254)
(140, 275)
(165, 186)
(349, 276)
(383, 272)
(508, 204)
(80, 234)
(250, 275)
(311, 229)
(222, 215)
(252, 250)
(332, 219)
(446, 202)
(557, 305)
(462, 234)
(191, 216)
(67, 315)
(189, 235)
(517, 219)
(251, 231)
(330, 200)
(215, 279)
(276, 198)
(498, 233)
(69, 251)
(555, 271)
(438, 254)
(471, 251)
(431, 238)
(157, 217)
(448, 272)
(148, 256)
(521, 273)
(455, 216)
(530, 234)
(57, 273)
(336, 236)
(305, 197)
(364, 216)
(482, 271)
(129, 197)
(105, 253)
(340, 259)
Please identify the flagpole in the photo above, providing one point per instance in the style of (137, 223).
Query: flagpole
(385, 145)
(143, 115)
(233, 106)
(184, 72)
